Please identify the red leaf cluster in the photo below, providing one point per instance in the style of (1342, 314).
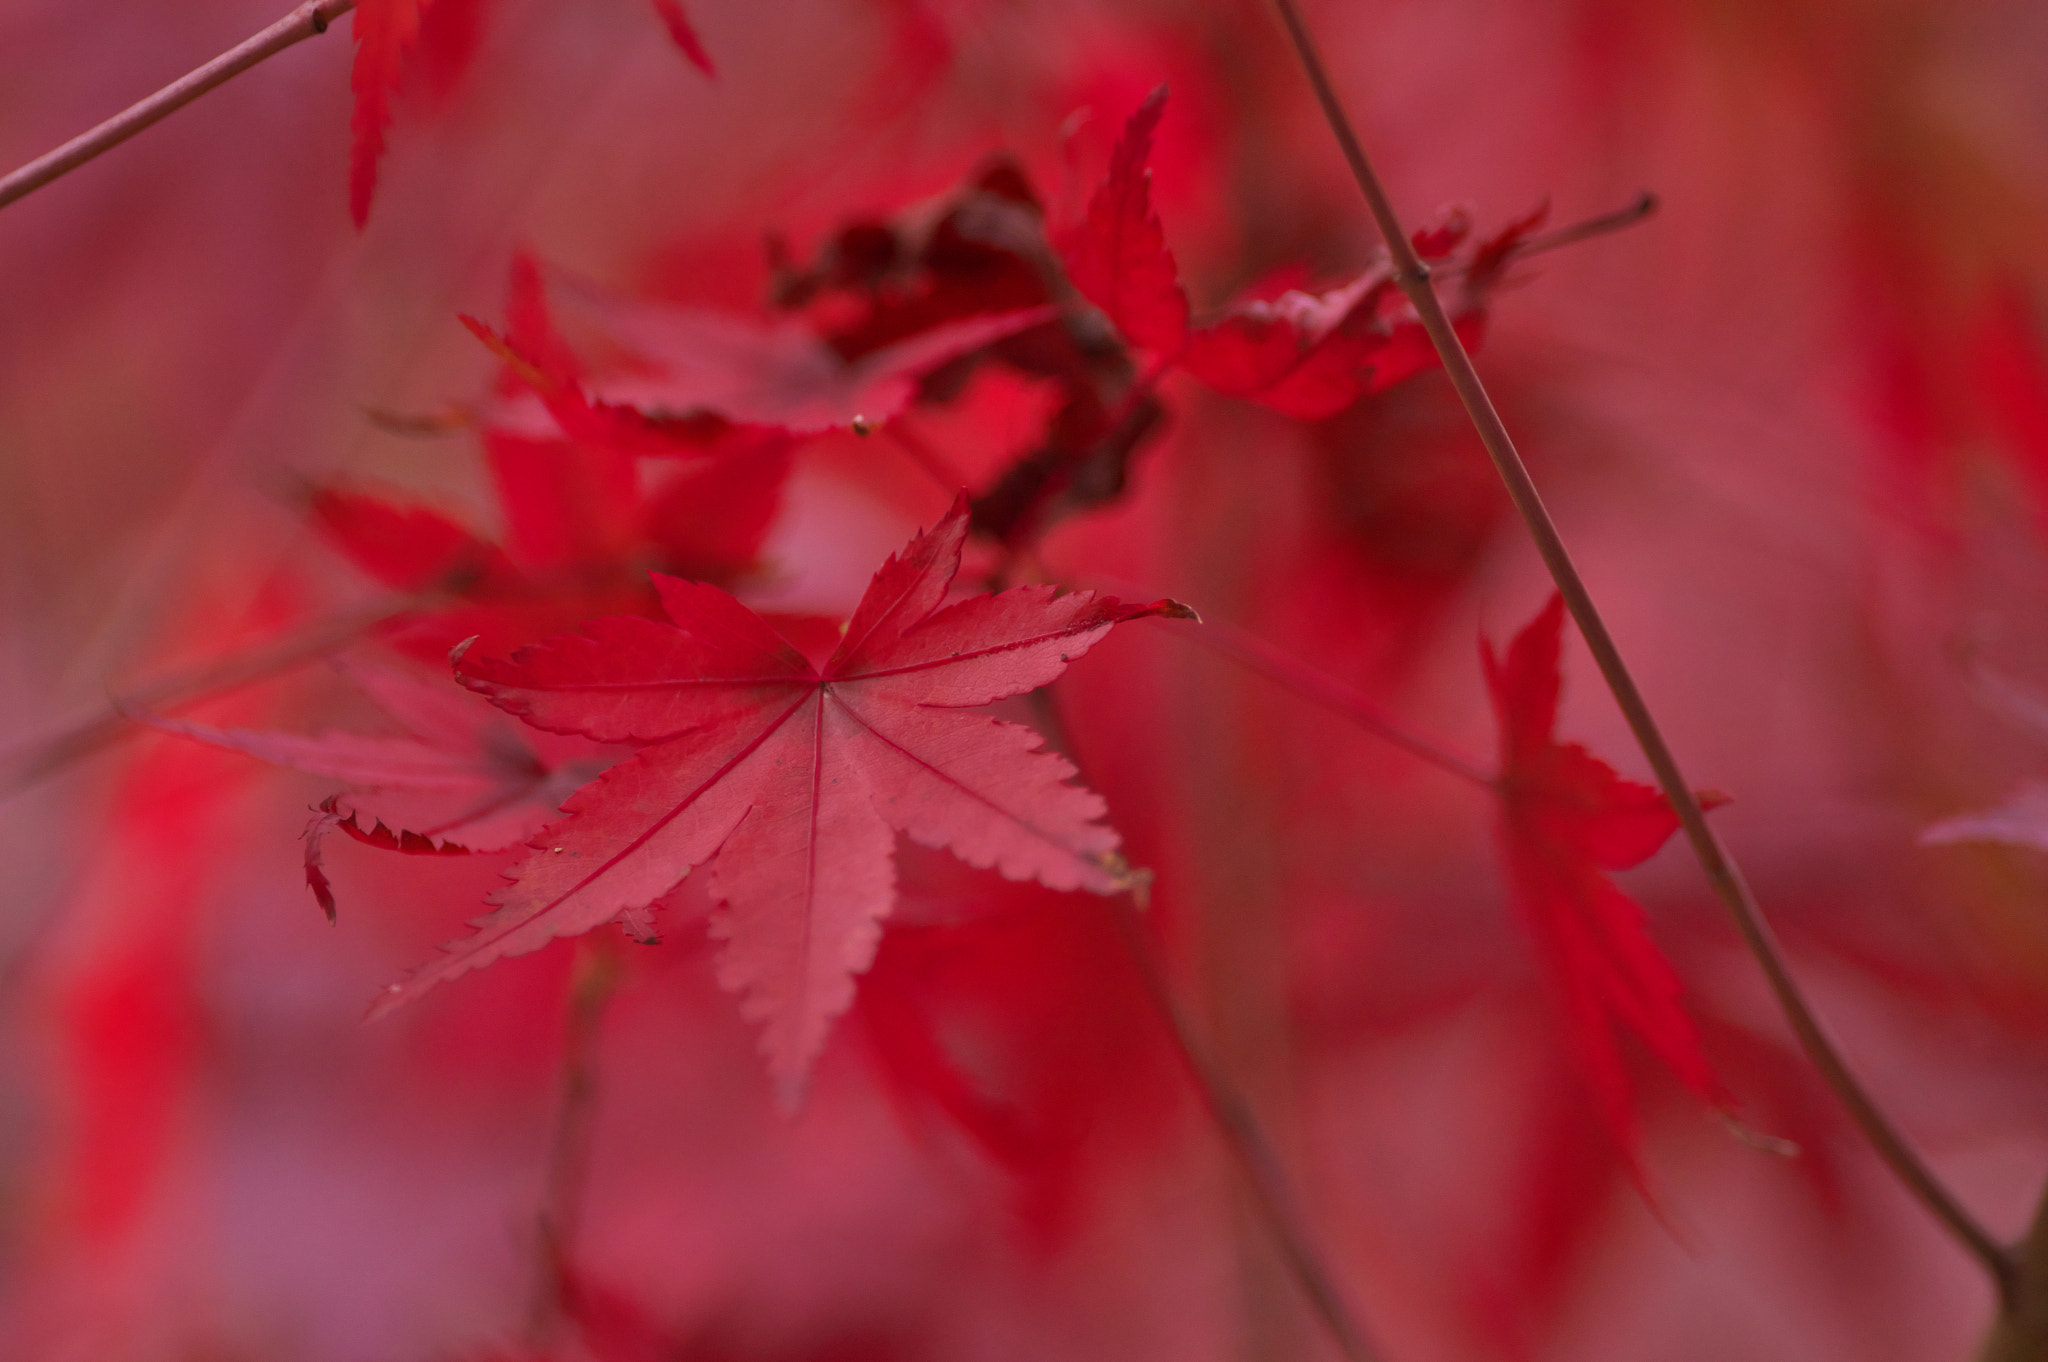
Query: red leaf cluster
(1304, 355)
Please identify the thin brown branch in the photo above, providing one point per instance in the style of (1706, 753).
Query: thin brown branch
(1573, 233)
(1248, 1144)
(1721, 871)
(307, 21)
(1227, 1107)
(1320, 688)
(2020, 1333)
(934, 465)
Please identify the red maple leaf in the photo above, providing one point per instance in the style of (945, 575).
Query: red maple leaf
(1118, 257)
(794, 777)
(1566, 819)
(582, 526)
(538, 360)
(583, 517)
(1312, 355)
(877, 282)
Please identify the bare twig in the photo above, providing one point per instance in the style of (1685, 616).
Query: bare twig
(1414, 280)
(1574, 232)
(1248, 1144)
(1227, 1107)
(1318, 687)
(930, 462)
(307, 21)
(2020, 1333)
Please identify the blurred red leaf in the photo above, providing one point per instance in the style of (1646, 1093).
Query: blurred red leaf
(793, 776)
(460, 780)
(670, 12)
(1566, 818)
(583, 518)
(1311, 355)
(384, 30)
(407, 548)
(696, 372)
(1118, 257)
(1304, 355)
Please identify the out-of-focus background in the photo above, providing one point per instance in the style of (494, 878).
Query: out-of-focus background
(1795, 426)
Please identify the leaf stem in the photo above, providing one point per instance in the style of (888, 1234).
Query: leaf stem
(1320, 688)
(308, 20)
(1722, 873)
(1574, 232)
(1254, 1153)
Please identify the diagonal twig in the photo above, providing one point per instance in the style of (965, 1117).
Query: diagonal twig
(1248, 1144)
(1229, 1110)
(1413, 278)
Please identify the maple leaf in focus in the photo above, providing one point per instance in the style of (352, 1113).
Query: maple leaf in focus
(794, 777)
(386, 32)
(460, 779)
(1566, 820)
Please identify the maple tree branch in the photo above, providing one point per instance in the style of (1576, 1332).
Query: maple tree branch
(2020, 1332)
(1571, 234)
(1239, 1126)
(308, 20)
(1228, 1108)
(1320, 688)
(1413, 278)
